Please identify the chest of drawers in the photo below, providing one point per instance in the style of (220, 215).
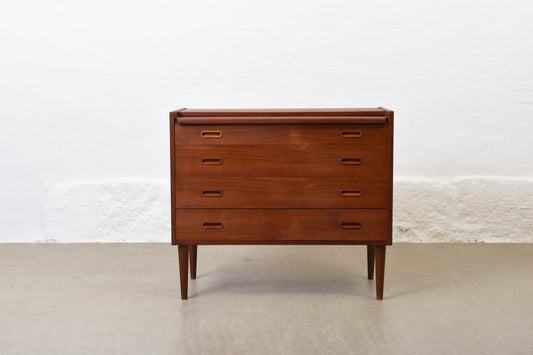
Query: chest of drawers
(281, 176)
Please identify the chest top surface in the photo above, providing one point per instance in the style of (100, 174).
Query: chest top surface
(282, 116)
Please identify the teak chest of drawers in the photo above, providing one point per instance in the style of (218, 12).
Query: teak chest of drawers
(281, 176)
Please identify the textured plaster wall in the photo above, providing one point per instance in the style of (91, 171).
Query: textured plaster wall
(86, 88)
(461, 209)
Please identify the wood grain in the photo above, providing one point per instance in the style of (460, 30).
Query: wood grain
(193, 252)
(172, 125)
(281, 160)
(284, 112)
(268, 120)
(390, 173)
(380, 270)
(282, 192)
(282, 176)
(172, 179)
(248, 225)
(282, 134)
(370, 252)
(183, 255)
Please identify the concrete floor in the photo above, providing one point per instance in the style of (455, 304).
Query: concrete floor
(123, 299)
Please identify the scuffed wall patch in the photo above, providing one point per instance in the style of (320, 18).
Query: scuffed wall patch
(470, 209)
(108, 211)
(480, 209)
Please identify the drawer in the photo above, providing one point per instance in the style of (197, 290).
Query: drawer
(282, 192)
(281, 134)
(281, 160)
(213, 226)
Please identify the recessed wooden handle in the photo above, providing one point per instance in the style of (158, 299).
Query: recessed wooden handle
(351, 134)
(349, 161)
(213, 225)
(351, 193)
(212, 193)
(212, 161)
(211, 134)
(351, 226)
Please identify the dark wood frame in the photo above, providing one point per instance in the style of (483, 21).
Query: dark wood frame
(187, 251)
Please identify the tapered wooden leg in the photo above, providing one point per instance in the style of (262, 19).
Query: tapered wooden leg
(193, 250)
(380, 270)
(370, 250)
(183, 254)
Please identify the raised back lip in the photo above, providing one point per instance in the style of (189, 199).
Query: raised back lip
(243, 112)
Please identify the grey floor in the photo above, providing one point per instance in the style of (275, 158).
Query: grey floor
(123, 299)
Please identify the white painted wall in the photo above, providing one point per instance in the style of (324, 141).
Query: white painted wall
(86, 88)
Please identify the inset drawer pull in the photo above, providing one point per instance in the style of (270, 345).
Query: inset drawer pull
(211, 134)
(212, 193)
(212, 161)
(347, 161)
(351, 193)
(351, 226)
(351, 134)
(213, 225)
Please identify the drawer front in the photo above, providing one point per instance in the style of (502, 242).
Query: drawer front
(212, 226)
(281, 160)
(282, 192)
(281, 134)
